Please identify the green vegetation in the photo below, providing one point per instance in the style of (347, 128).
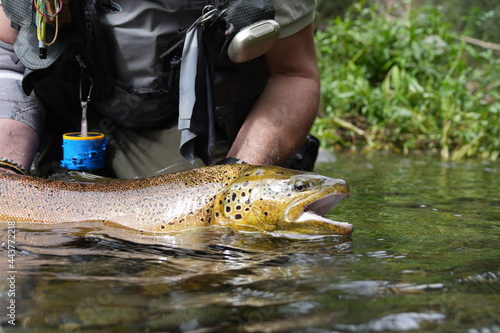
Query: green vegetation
(405, 81)
(481, 18)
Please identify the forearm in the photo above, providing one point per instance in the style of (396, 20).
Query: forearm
(283, 115)
(279, 122)
(7, 34)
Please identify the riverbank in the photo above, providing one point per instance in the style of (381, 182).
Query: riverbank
(406, 83)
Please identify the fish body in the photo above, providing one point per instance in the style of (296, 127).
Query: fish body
(239, 196)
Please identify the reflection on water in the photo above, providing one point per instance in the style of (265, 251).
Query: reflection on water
(424, 256)
(395, 322)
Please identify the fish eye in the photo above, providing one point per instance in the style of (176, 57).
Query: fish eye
(299, 186)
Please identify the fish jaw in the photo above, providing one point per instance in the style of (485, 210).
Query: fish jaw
(318, 195)
(307, 217)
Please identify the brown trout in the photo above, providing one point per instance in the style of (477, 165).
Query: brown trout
(239, 196)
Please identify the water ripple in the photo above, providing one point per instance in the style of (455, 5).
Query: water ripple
(406, 321)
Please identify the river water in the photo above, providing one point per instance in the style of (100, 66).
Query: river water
(424, 257)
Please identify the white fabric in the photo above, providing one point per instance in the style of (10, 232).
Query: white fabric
(8, 74)
(293, 15)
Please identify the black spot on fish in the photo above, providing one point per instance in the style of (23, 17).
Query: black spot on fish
(266, 213)
(238, 216)
(234, 196)
(243, 194)
(217, 214)
(163, 226)
(238, 207)
(228, 209)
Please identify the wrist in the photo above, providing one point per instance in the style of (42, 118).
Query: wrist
(230, 160)
(10, 166)
(5, 170)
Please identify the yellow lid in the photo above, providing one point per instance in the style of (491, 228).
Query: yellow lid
(78, 136)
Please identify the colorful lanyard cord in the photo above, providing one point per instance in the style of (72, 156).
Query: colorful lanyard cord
(42, 14)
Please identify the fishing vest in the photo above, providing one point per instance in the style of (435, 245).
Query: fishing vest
(119, 54)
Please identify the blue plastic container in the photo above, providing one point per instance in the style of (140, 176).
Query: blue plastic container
(84, 153)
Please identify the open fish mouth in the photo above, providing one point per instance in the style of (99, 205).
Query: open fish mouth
(312, 218)
(322, 205)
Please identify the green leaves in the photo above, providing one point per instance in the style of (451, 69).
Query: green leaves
(406, 83)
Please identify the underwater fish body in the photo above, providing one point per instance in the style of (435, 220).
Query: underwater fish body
(239, 196)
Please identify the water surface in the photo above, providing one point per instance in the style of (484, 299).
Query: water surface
(424, 257)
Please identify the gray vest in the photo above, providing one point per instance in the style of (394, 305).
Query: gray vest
(133, 86)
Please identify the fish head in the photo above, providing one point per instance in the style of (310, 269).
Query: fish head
(276, 199)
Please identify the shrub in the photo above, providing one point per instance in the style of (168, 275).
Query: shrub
(406, 83)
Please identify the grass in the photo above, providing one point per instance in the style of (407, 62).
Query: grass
(406, 83)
